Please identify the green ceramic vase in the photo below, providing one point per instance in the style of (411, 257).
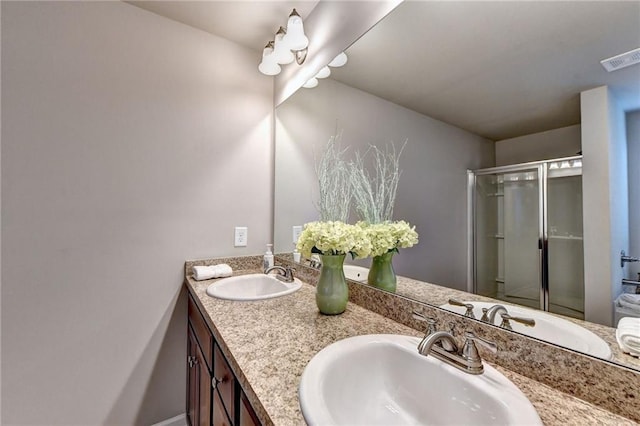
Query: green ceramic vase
(381, 274)
(332, 292)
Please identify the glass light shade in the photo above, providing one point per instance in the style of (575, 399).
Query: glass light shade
(269, 66)
(281, 50)
(311, 83)
(295, 38)
(324, 73)
(339, 60)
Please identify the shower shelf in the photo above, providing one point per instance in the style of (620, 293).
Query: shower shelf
(498, 236)
(630, 282)
(499, 280)
(496, 194)
(565, 237)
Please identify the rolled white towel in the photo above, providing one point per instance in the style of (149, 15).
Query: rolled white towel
(630, 298)
(208, 272)
(628, 335)
(223, 270)
(628, 301)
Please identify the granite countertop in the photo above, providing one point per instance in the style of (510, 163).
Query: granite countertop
(437, 295)
(268, 344)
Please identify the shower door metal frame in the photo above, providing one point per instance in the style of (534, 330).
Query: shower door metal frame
(540, 167)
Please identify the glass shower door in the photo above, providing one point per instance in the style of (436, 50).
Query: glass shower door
(565, 246)
(508, 227)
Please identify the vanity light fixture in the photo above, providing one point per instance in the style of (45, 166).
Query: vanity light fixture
(339, 60)
(311, 83)
(269, 65)
(325, 72)
(288, 45)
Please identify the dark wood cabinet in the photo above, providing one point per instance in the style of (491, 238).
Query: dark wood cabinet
(247, 415)
(198, 384)
(214, 396)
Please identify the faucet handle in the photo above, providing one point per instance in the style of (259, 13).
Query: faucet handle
(507, 325)
(485, 315)
(429, 320)
(469, 306)
(288, 271)
(471, 339)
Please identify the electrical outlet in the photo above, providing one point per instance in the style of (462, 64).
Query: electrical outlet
(241, 236)
(297, 230)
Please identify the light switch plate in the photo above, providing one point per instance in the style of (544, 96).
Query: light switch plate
(297, 230)
(241, 236)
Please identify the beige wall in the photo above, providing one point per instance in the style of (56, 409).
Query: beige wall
(557, 143)
(432, 189)
(129, 144)
(605, 201)
(633, 158)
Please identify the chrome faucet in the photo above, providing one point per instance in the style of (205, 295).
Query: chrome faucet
(315, 261)
(285, 275)
(489, 315)
(443, 346)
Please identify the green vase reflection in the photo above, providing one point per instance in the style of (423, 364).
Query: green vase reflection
(332, 292)
(381, 273)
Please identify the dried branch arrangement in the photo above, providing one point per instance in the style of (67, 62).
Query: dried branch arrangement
(374, 193)
(335, 187)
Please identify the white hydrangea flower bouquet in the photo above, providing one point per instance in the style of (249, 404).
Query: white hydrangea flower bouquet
(389, 236)
(334, 238)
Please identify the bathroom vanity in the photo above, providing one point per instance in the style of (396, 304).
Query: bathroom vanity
(266, 345)
(214, 395)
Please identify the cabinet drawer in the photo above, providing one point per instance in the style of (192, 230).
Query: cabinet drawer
(200, 329)
(225, 381)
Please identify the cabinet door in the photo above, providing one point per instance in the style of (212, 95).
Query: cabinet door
(247, 415)
(198, 385)
(193, 379)
(219, 415)
(204, 418)
(225, 382)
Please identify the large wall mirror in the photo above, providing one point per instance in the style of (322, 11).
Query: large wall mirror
(432, 75)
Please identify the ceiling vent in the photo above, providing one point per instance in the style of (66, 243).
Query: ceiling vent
(621, 61)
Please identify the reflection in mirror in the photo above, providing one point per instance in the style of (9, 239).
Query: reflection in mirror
(511, 95)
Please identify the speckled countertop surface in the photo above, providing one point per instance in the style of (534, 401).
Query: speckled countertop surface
(268, 344)
(438, 295)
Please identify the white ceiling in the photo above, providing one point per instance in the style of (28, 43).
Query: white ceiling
(498, 69)
(249, 23)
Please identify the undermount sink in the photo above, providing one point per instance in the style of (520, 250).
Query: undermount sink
(356, 273)
(548, 328)
(252, 287)
(381, 379)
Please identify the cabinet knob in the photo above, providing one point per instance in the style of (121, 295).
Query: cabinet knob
(192, 360)
(214, 382)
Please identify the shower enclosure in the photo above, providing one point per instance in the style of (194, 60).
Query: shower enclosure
(526, 227)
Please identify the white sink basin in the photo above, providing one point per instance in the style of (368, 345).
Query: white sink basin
(548, 328)
(381, 379)
(252, 287)
(356, 273)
